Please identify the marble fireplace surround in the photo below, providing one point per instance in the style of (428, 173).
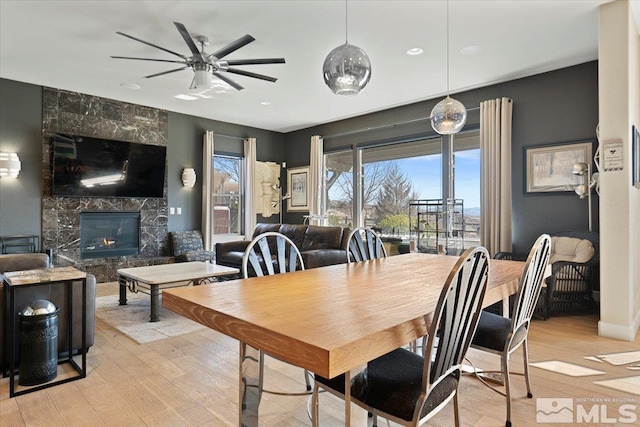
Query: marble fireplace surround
(78, 114)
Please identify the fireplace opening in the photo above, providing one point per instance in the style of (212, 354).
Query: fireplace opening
(109, 234)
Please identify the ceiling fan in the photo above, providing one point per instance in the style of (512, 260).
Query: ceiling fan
(207, 65)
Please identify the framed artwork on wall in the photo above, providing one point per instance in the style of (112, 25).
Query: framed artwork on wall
(635, 144)
(548, 167)
(298, 189)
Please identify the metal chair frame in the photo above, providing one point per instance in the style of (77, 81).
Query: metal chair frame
(454, 322)
(526, 300)
(367, 248)
(287, 259)
(287, 256)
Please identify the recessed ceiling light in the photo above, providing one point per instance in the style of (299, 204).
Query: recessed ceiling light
(414, 51)
(186, 97)
(265, 103)
(132, 86)
(470, 50)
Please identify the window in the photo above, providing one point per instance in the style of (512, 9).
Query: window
(394, 173)
(339, 184)
(227, 195)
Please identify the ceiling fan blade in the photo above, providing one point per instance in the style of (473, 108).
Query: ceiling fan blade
(228, 81)
(250, 74)
(233, 46)
(148, 59)
(151, 44)
(166, 72)
(255, 61)
(189, 40)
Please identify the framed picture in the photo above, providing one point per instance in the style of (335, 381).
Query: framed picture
(548, 168)
(298, 189)
(635, 144)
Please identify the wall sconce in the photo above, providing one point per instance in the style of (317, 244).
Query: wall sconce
(584, 190)
(188, 177)
(9, 165)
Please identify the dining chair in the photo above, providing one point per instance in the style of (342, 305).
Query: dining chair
(502, 336)
(268, 254)
(271, 253)
(407, 388)
(365, 244)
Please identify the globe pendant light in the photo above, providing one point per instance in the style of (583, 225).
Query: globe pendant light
(347, 68)
(449, 115)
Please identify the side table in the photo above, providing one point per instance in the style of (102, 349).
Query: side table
(25, 243)
(63, 276)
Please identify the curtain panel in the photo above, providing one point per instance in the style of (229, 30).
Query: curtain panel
(317, 195)
(249, 178)
(495, 175)
(207, 190)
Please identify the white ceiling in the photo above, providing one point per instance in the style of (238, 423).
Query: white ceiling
(68, 44)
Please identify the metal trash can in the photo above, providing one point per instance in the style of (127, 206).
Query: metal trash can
(38, 337)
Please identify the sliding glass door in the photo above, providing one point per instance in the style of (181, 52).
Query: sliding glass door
(388, 175)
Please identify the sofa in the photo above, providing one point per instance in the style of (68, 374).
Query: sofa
(54, 293)
(318, 245)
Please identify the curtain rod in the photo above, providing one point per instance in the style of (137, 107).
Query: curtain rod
(337, 135)
(228, 136)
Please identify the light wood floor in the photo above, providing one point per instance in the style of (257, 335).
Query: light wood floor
(192, 380)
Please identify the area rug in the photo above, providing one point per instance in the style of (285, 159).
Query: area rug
(133, 319)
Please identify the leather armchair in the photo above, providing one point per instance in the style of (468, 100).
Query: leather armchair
(56, 294)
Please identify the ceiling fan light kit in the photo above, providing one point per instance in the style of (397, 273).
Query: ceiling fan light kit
(347, 68)
(449, 115)
(204, 65)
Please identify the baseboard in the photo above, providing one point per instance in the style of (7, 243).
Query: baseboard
(619, 332)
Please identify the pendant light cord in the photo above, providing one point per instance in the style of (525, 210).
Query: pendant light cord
(447, 47)
(346, 23)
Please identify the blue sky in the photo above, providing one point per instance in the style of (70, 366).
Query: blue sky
(426, 177)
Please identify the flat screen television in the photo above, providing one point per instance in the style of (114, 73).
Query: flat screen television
(94, 167)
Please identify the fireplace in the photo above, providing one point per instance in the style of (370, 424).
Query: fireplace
(109, 234)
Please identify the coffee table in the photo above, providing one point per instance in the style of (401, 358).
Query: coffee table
(153, 279)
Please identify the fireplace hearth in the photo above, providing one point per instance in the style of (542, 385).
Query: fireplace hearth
(109, 234)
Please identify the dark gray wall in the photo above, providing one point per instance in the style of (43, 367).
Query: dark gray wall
(557, 106)
(553, 107)
(185, 150)
(21, 132)
(21, 125)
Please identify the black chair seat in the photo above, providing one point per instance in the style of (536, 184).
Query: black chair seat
(336, 383)
(393, 383)
(493, 332)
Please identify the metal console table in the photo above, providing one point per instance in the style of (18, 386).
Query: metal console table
(64, 276)
(23, 243)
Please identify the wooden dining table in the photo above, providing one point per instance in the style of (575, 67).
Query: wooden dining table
(328, 320)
